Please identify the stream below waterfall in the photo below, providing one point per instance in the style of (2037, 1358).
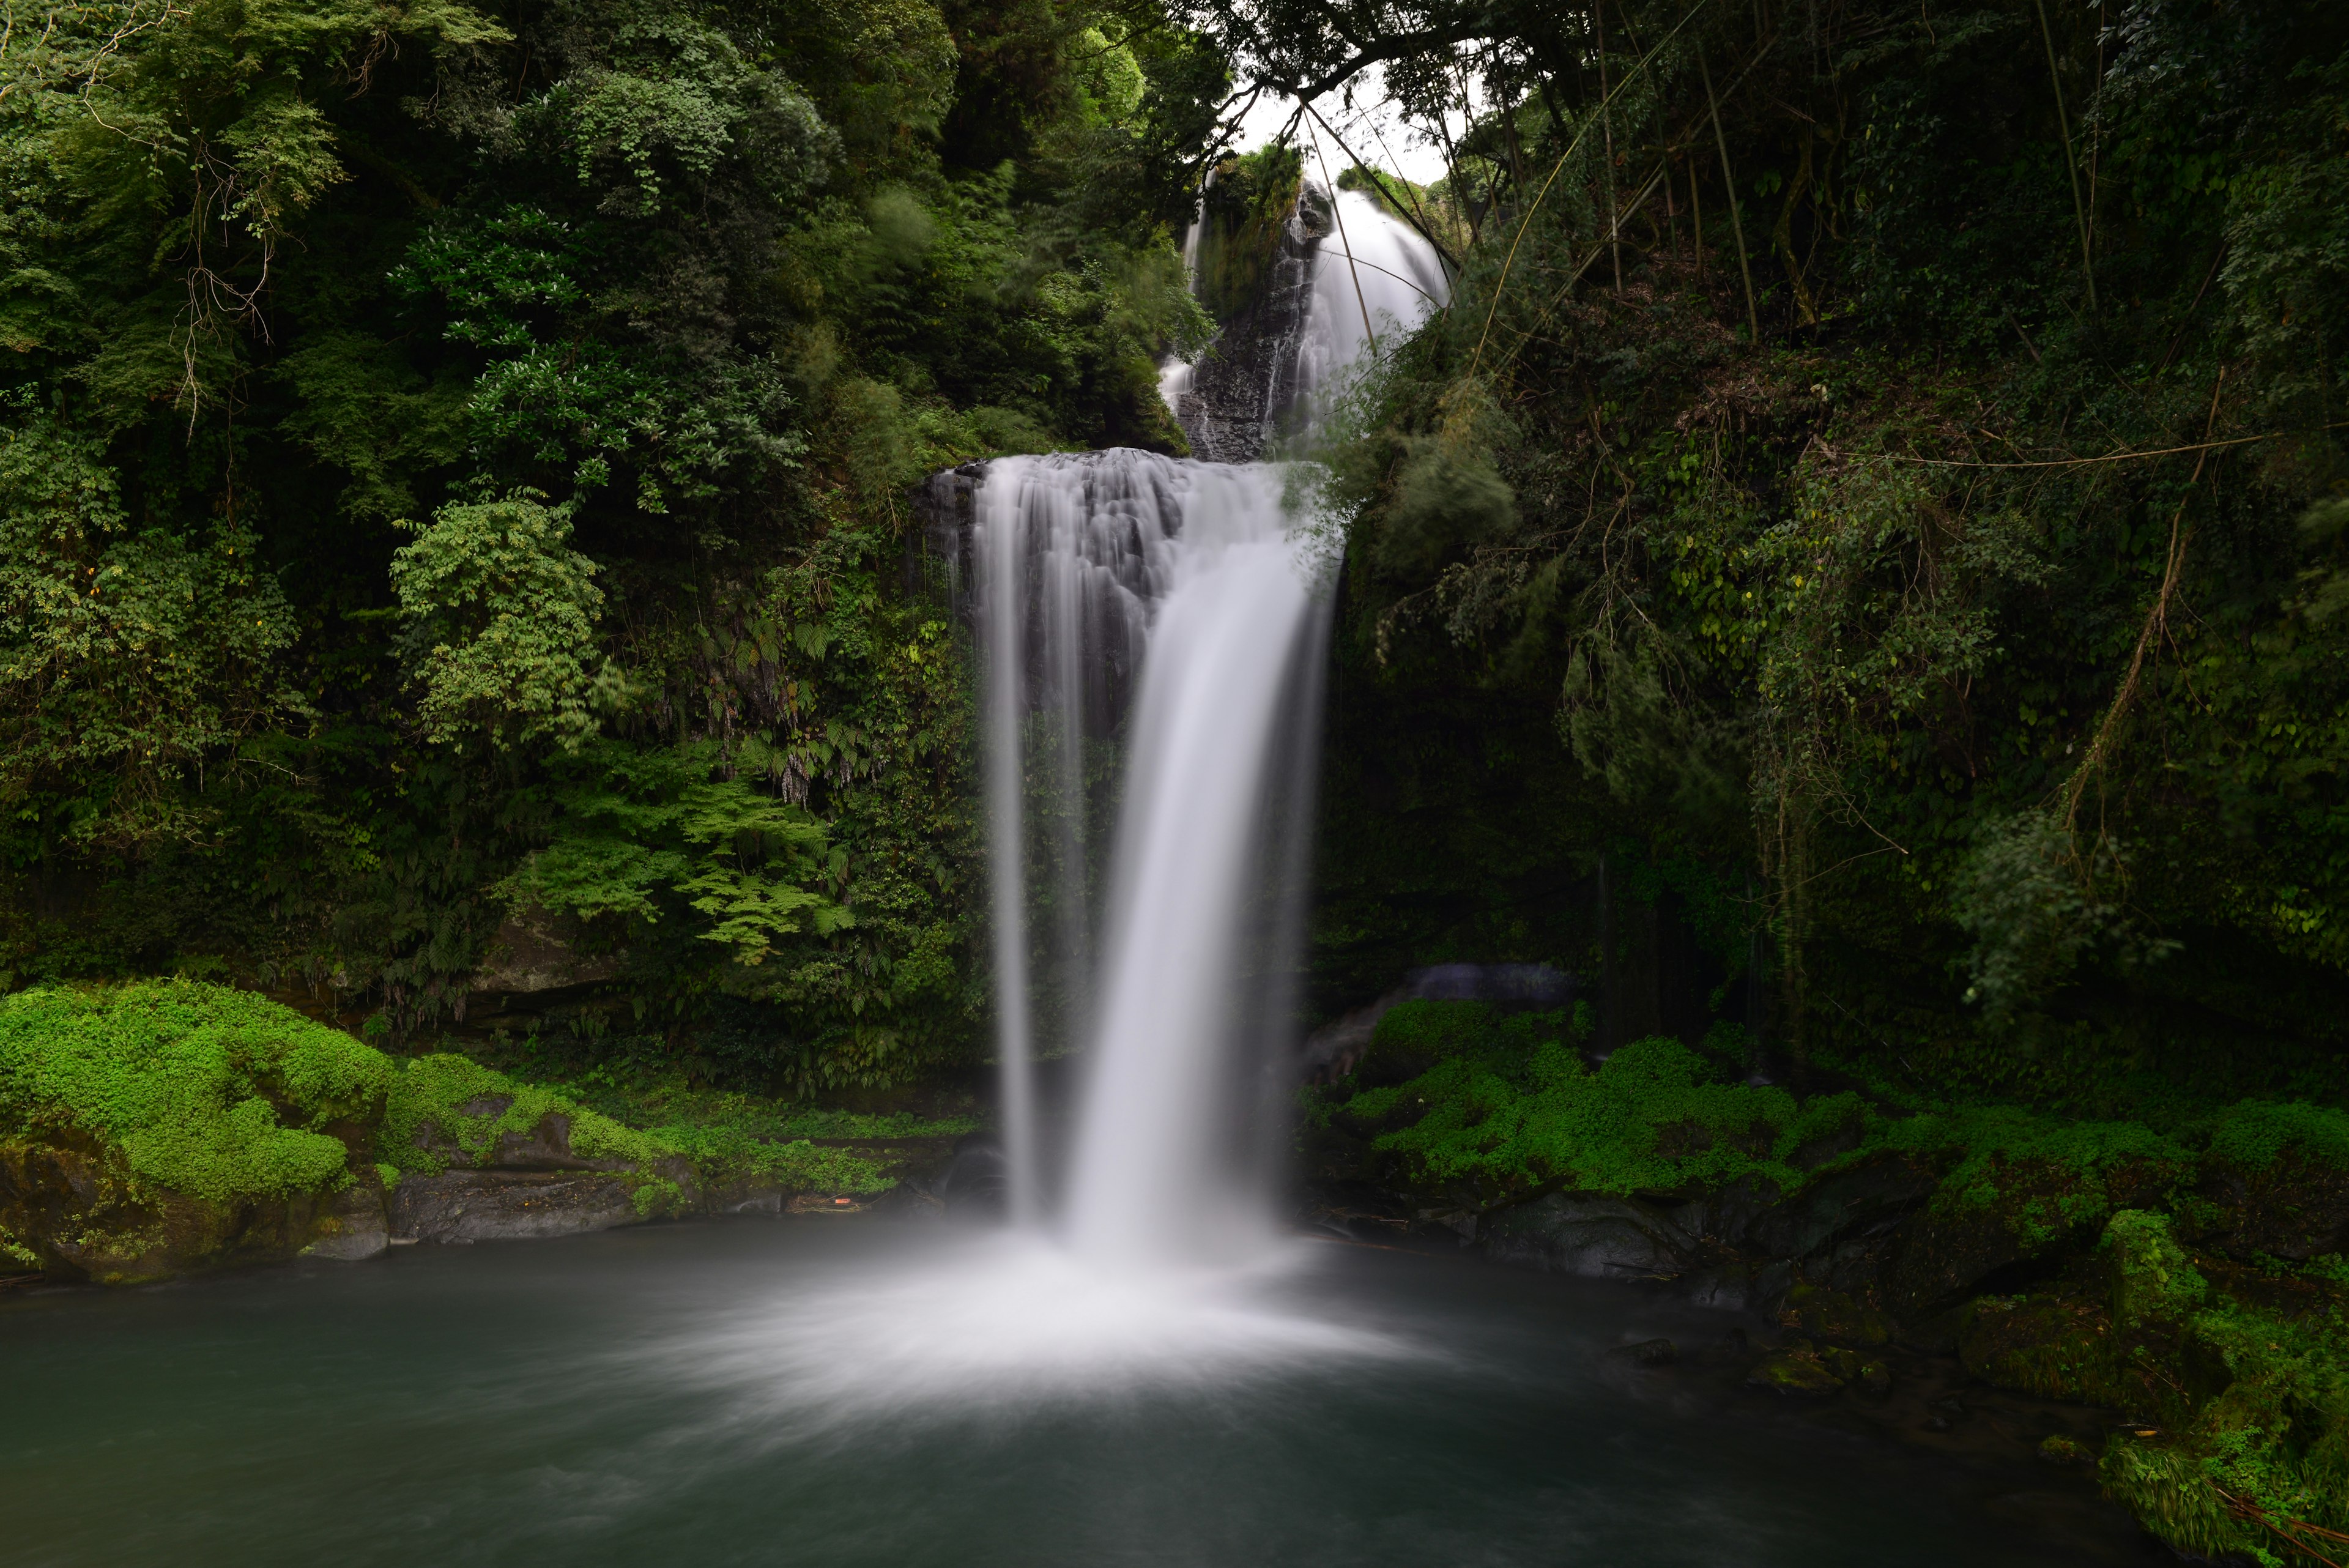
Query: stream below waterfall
(838, 1393)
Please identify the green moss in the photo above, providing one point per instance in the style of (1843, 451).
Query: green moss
(2152, 1276)
(442, 1102)
(2055, 1347)
(2049, 1175)
(208, 1091)
(2258, 1131)
(730, 1152)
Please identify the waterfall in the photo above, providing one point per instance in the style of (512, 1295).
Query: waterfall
(1153, 630)
(1349, 275)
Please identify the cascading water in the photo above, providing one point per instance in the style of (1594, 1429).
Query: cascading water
(1347, 277)
(1194, 586)
(1152, 631)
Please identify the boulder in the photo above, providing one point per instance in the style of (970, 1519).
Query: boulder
(1588, 1234)
(1834, 1317)
(353, 1227)
(72, 1204)
(1799, 1369)
(493, 1205)
(2296, 1209)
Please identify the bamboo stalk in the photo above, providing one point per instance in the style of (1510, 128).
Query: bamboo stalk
(1696, 216)
(1607, 131)
(1729, 179)
(2071, 164)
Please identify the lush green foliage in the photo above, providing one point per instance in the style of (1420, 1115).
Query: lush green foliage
(1511, 1100)
(219, 1094)
(440, 441)
(1457, 1090)
(1868, 557)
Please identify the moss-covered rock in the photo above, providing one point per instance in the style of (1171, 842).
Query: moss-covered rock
(2153, 1280)
(2275, 1183)
(156, 1128)
(1799, 1369)
(149, 1129)
(1834, 1318)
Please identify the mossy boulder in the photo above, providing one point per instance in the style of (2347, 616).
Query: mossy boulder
(2275, 1183)
(1835, 1317)
(1996, 1213)
(149, 1129)
(1802, 1370)
(2152, 1278)
(167, 1126)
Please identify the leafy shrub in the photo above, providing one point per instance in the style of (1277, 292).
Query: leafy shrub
(501, 615)
(1650, 1118)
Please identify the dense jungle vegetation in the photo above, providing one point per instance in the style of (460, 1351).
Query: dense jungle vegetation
(1859, 573)
(456, 460)
(1858, 560)
(1868, 529)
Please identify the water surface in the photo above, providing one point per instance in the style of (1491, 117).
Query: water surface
(844, 1393)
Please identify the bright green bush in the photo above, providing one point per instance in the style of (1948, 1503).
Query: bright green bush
(471, 1106)
(1651, 1118)
(216, 1093)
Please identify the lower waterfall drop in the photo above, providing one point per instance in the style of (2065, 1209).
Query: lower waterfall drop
(1175, 611)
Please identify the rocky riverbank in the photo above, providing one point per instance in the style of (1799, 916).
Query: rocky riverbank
(2188, 1281)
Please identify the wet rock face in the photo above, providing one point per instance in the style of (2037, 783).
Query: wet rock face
(461, 1206)
(976, 1186)
(1591, 1235)
(1248, 380)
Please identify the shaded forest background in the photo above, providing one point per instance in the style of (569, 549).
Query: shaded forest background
(1856, 570)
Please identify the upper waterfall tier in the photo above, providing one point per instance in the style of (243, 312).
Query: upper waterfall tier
(1347, 276)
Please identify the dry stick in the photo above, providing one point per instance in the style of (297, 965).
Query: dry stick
(1607, 130)
(2187, 325)
(1337, 211)
(1502, 282)
(2157, 623)
(2116, 456)
(2244, 1507)
(2071, 164)
(1729, 179)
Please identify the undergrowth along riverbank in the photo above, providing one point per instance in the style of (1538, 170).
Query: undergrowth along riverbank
(2184, 1270)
